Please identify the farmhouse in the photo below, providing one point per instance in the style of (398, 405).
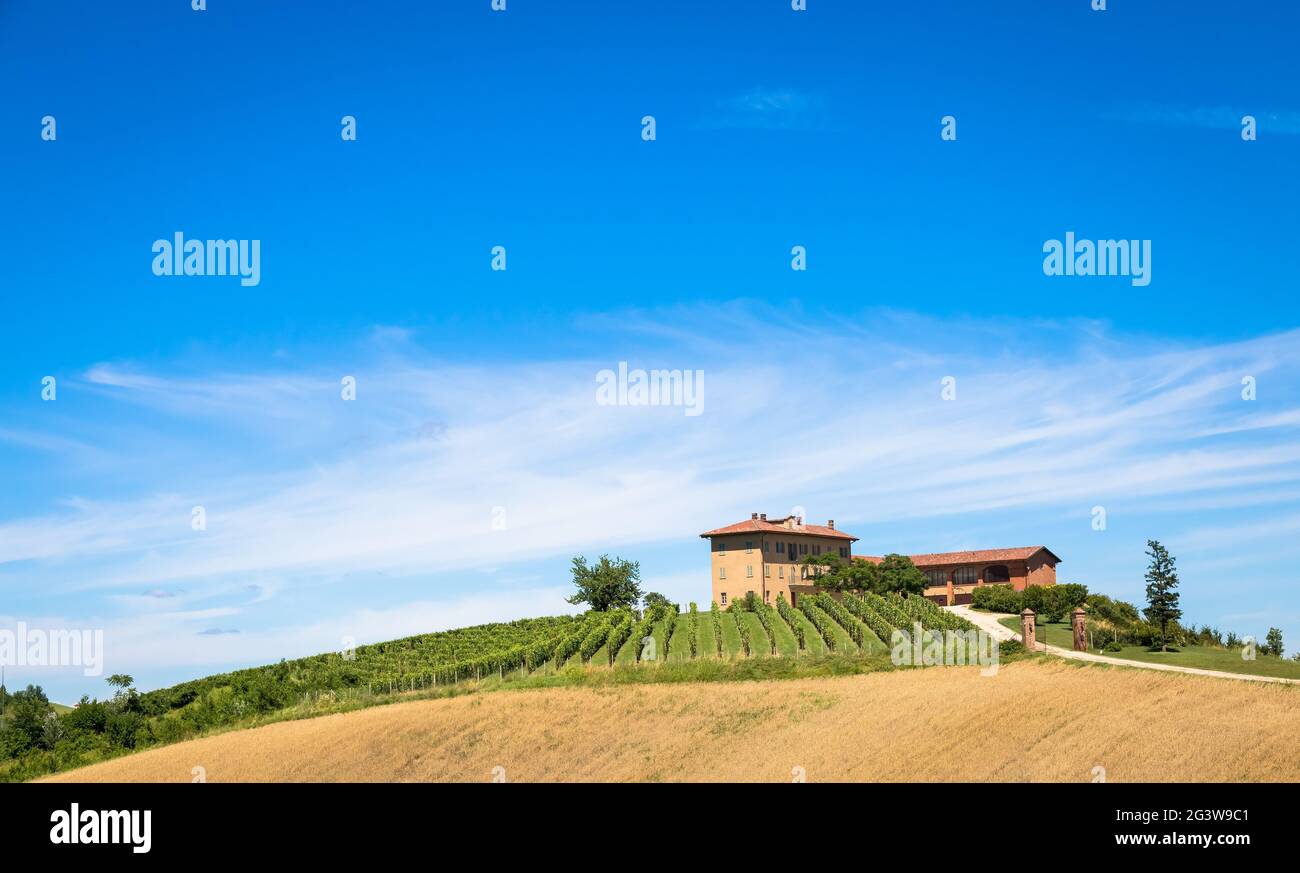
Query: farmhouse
(765, 556)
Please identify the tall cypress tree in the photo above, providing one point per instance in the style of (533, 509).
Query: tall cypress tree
(1162, 591)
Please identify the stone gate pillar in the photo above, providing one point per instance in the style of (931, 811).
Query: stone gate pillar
(1080, 629)
(1027, 628)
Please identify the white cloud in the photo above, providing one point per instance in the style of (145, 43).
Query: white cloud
(843, 418)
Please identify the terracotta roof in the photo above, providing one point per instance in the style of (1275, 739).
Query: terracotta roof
(759, 525)
(981, 556)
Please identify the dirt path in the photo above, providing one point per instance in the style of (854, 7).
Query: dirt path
(990, 622)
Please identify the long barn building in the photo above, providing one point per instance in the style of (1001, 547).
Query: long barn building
(766, 556)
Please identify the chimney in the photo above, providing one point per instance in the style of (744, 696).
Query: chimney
(830, 523)
(763, 516)
(753, 516)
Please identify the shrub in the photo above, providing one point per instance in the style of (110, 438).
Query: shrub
(1011, 647)
(997, 598)
(1113, 646)
(1117, 612)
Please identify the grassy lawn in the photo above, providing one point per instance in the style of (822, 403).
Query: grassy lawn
(786, 645)
(758, 643)
(843, 643)
(680, 648)
(1201, 657)
(812, 638)
(871, 644)
(730, 636)
(627, 654)
(708, 642)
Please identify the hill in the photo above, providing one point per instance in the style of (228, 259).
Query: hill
(848, 633)
(1037, 719)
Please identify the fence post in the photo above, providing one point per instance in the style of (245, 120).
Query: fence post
(1027, 628)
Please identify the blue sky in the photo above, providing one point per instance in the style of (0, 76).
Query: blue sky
(522, 129)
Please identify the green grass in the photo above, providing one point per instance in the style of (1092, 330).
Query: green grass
(730, 637)
(758, 643)
(680, 650)
(1200, 657)
(627, 654)
(786, 645)
(811, 636)
(708, 642)
(844, 644)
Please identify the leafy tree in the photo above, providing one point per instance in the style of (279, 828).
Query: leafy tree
(1073, 593)
(835, 574)
(606, 584)
(826, 571)
(27, 711)
(655, 599)
(1056, 602)
(120, 681)
(1273, 642)
(898, 573)
(1162, 591)
(861, 576)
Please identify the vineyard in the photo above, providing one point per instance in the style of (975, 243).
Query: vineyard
(819, 625)
(750, 631)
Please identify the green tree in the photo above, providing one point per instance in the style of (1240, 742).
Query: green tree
(654, 598)
(120, 681)
(1162, 591)
(898, 573)
(835, 574)
(606, 584)
(27, 711)
(826, 571)
(1273, 642)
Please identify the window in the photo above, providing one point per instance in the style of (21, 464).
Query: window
(749, 571)
(722, 572)
(780, 571)
(817, 550)
(998, 573)
(844, 551)
(937, 577)
(722, 547)
(803, 548)
(749, 547)
(780, 548)
(767, 596)
(767, 571)
(724, 598)
(964, 576)
(765, 545)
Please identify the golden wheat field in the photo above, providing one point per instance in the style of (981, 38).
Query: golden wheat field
(1033, 721)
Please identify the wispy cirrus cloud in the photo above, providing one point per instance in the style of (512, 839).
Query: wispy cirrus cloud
(769, 109)
(1284, 121)
(1048, 421)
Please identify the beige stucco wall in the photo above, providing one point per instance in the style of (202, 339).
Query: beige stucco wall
(773, 572)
